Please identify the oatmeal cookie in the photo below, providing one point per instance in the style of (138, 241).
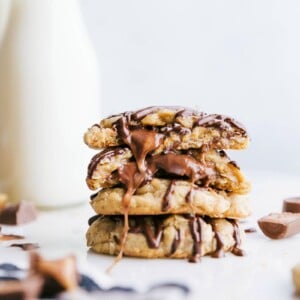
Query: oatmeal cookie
(164, 196)
(174, 236)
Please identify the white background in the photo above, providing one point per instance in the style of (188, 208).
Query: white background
(240, 58)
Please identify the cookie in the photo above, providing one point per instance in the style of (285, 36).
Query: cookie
(163, 196)
(168, 128)
(219, 171)
(173, 236)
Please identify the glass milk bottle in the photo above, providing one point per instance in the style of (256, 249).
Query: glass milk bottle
(49, 94)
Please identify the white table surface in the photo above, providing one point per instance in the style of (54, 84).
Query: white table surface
(265, 273)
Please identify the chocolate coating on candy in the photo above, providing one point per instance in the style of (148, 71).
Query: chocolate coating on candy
(280, 225)
(21, 213)
(291, 205)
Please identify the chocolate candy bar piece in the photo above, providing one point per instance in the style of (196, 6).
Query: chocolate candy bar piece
(291, 205)
(15, 214)
(280, 225)
(26, 246)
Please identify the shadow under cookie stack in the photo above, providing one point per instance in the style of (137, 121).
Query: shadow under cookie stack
(165, 186)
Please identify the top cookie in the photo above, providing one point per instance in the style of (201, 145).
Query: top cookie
(160, 128)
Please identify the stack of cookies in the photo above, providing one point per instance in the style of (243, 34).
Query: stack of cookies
(165, 186)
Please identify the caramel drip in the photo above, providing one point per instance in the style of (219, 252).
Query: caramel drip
(236, 250)
(196, 232)
(168, 196)
(176, 241)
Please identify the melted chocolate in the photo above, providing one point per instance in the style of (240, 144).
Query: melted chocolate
(153, 230)
(196, 232)
(176, 241)
(250, 230)
(236, 250)
(202, 119)
(190, 195)
(140, 141)
(168, 196)
(219, 252)
(93, 219)
(140, 114)
(219, 121)
(93, 196)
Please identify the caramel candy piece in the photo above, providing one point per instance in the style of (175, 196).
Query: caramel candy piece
(296, 278)
(291, 205)
(60, 274)
(280, 225)
(15, 214)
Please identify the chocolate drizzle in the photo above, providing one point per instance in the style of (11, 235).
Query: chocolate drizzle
(153, 229)
(219, 121)
(201, 119)
(196, 232)
(219, 252)
(93, 219)
(107, 153)
(236, 250)
(176, 241)
(168, 196)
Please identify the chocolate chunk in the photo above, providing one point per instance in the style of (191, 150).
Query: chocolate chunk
(280, 225)
(26, 289)
(20, 213)
(291, 205)
(26, 246)
(250, 230)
